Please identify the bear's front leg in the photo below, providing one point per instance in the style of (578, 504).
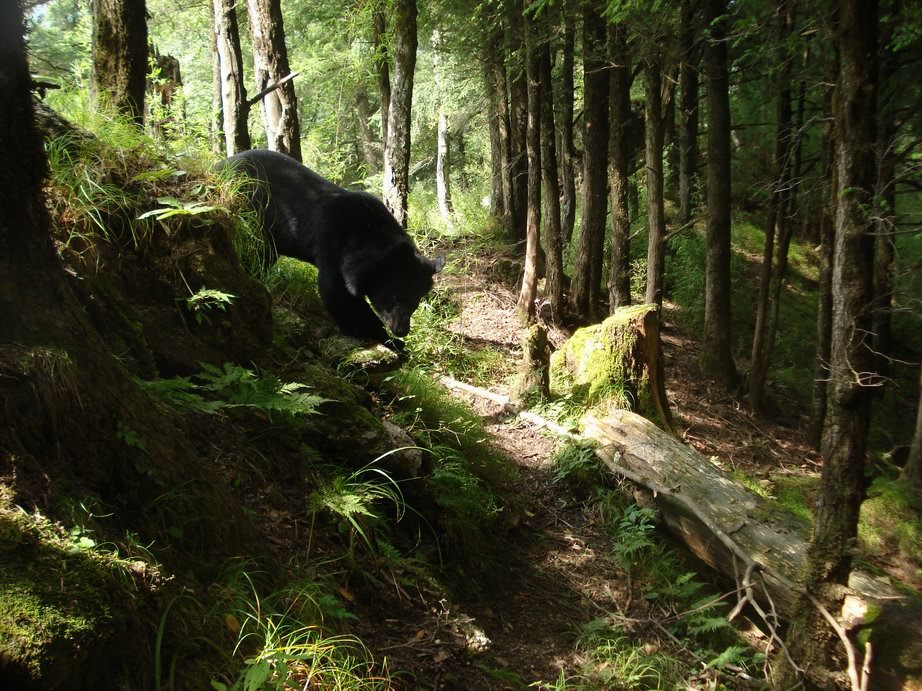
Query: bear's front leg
(353, 315)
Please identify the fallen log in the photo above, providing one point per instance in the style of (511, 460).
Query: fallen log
(758, 545)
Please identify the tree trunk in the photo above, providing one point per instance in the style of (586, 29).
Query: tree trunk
(829, 187)
(164, 117)
(215, 136)
(397, 148)
(235, 108)
(518, 122)
(382, 69)
(270, 65)
(369, 147)
(912, 471)
(716, 358)
(553, 251)
(753, 543)
(501, 198)
(777, 212)
(120, 55)
(587, 268)
(619, 282)
(842, 486)
(653, 162)
(526, 301)
(688, 110)
(442, 152)
(885, 198)
(565, 126)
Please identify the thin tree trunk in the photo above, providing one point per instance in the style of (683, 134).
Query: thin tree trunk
(842, 486)
(912, 471)
(670, 81)
(653, 162)
(234, 109)
(270, 63)
(442, 152)
(688, 111)
(885, 198)
(716, 358)
(518, 123)
(552, 234)
(397, 149)
(369, 149)
(761, 341)
(818, 403)
(587, 264)
(502, 201)
(120, 55)
(619, 283)
(526, 302)
(565, 125)
(217, 109)
(382, 69)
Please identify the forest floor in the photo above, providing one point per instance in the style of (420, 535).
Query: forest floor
(522, 626)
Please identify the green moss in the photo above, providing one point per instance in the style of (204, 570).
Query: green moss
(889, 525)
(596, 365)
(63, 606)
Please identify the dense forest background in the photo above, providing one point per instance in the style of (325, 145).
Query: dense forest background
(749, 168)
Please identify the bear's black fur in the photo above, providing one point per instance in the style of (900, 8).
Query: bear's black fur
(358, 247)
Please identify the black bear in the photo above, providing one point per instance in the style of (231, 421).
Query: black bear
(358, 247)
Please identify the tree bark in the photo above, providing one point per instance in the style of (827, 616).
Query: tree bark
(819, 400)
(619, 282)
(442, 151)
(688, 110)
(587, 268)
(842, 487)
(777, 214)
(553, 250)
(760, 548)
(382, 68)
(526, 301)
(912, 471)
(120, 55)
(885, 197)
(716, 357)
(369, 147)
(565, 125)
(518, 122)
(653, 162)
(235, 109)
(270, 64)
(397, 148)
(501, 197)
(215, 134)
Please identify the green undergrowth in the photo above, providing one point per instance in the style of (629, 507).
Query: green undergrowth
(64, 597)
(470, 482)
(688, 610)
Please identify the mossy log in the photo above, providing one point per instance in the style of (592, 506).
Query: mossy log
(732, 529)
(617, 364)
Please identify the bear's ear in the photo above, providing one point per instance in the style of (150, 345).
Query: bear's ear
(438, 263)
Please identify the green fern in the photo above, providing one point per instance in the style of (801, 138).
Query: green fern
(231, 386)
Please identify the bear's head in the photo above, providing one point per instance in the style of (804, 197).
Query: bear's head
(400, 283)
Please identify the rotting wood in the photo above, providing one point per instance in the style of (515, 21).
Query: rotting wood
(732, 529)
(744, 537)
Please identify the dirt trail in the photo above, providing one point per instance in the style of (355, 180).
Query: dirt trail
(522, 625)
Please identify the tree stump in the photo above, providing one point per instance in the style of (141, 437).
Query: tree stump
(532, 380)
(617, 364)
